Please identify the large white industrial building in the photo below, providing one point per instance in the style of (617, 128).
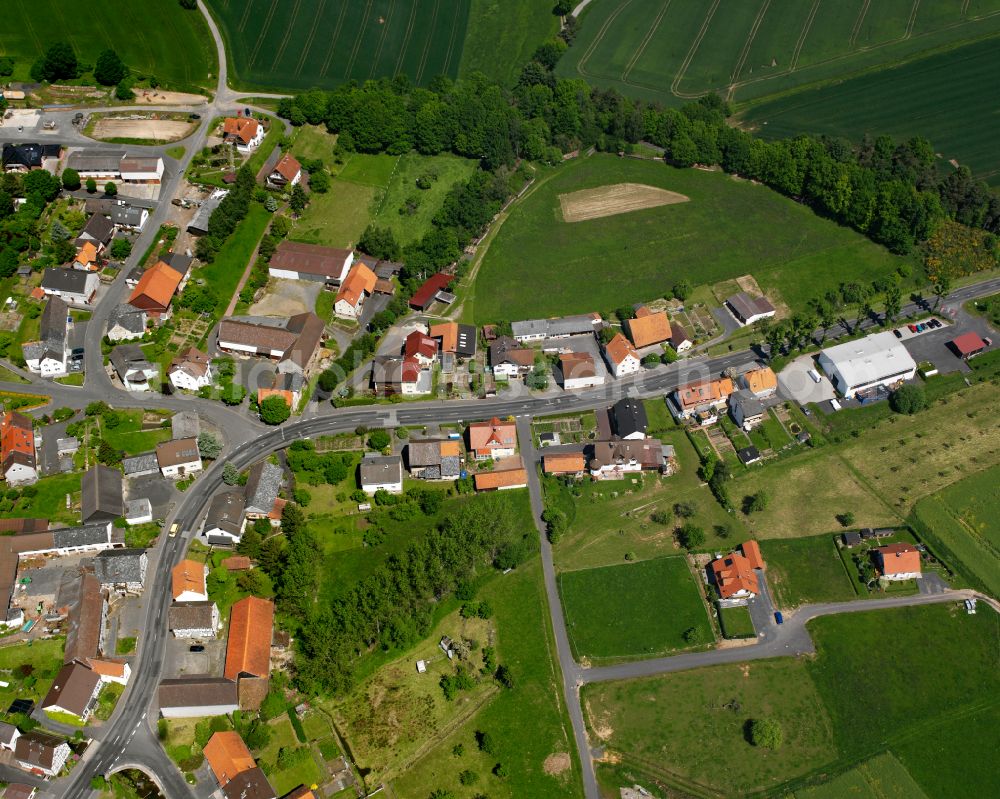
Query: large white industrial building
(876, 360)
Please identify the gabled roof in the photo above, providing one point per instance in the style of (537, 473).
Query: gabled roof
(38, 748)
(620, 348)
(188, 575)
(417, 344)
(557, 326)
(242, 128)
(504, 478)
(751, 551)
(746, 306)
(177, 452)
(576, 365)
(197, 691)
(678, 335)
(564, 463)
(197, 615)
(899, 558)
(17, 440)
(248, 650)
(119, 566)
(287, 167)
(192, 361)
(249, 784)
(177, 261)
(648, 328)
(228, 756)
(72, 689)
(629, 416)
(424, 295)
(155, 288)
(310, 259)
(484, 436)
(128, 317)
(226, 512)
(98, 228)
(85, 620)
(262, 487)
(73, 281)
(360, 281)
(695, 394)
(758, 380)
(504, 349)
(968, 343)
(101, 498)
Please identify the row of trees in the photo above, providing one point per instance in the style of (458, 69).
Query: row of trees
(59, 62)
(230, 212)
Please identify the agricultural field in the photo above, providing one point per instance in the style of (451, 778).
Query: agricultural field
(633, 609)
(917, 98)
(291, 46)
(963, 522)
(501, 36)
(801, 570)
(159, 39)
(794, 254)
(881, 777)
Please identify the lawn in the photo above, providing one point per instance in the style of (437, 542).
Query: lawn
(529, 723)
(794, 254)
(50, 500)
(294, 46)
(633, 609)
(683, 727)
(305, 772)
(408, 210)
(501, 37)
(45, 658)
(312, 142)
(337, 218)
(736, 622)
(129, 436)
(962, 523)
(158, 38)
(917, 98)
(801, 570)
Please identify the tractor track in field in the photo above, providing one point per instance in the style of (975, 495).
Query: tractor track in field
(265, 28)
(357, 40)
(288, 34)
(309, 39)
(333, 41)
(451, 44)
(806, 27)
(427, 45)
(381, 39)
(858, 22)
(581, 66)
(406, 40)
(751, 36)
(692, 51)
(645, 42)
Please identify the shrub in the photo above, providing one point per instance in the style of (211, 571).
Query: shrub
(766, 733)
(908, 399)
(690, 536)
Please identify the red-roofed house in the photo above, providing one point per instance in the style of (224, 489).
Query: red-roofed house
(424, 296)
(734, 573)
(493, 439)
(360, 283)
(421, 348)
(621, 356)
(968, 345)
(898, 561)
(244, 133)
(286, 173)
(17, 449)
(248, 650)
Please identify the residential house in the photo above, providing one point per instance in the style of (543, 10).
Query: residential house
(293, 343)
(494, 439)
(396, 375)
(130, 214)
(421, 348)
(875, 361)
(76, 288)
(188, 581)
(293, 260)
(197, 696)
(101, 494)
(968, 345)
(248, 650)
(431, 291)
(648, 329)
(109, 670)
(748, 309)
(747, 411)
(249, 784)
(381, 472)
(41, 753)
(190, 370)
(155, 290)
(74, 691)
(702, 398)
(180, 263)
(49, 355)
(19, 790)
(225, 522)
(455, 338)
(138, 511)
(559, 327)
(564, 463)
(141, 169)
(900, 561)
(437, 459)
(228, 756)
(621, 356)
(86, 612)
(134, 369)
(679, 338)
(121, 570)
(261, 492)
(286, 173)
(194, 620)
(578, 370)
(360, 283)
(126, 323)
(27, 156)
(735, 574)
(505, 474)
(615, 458)
(244, 133)
(97, 233)
(508, 360)
(762, 382)
(628, 416)
(288, 386)
(17, 449)
(86, 258)
(178, 458)
(8, 736)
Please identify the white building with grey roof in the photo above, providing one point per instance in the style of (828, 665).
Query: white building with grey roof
(383, 472)
(101, 497)
(261, 490)
(122, 570)
(558, 327)
(49, 355)
(126, 323)
(225, 523)
(197, 696)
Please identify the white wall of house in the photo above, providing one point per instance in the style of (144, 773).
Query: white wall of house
(19, 474)
(508, 370)
(282, 274)
(197, 711)
(345, 310)
(181, 469)
(9, 745)
(119, 333)
(182, 379)
(47, 367)
(630, 365)
(59, 758)
(392, 488)
(571, 383)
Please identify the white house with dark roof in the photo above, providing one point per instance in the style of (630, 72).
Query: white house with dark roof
(178, 458)
(49, 355)
(383, 472)
(126, 323)
(261, 490)
(197, 696)
(8, 736)
(199, 619)
(122, 571)
(42, 752)
(73, 286)
(225, 522)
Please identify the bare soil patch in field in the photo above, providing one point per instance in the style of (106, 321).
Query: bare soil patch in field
(164, 130)
(160, 97)
(618, 198)
(557, 763)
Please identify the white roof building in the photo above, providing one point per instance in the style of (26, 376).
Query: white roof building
(875, 360)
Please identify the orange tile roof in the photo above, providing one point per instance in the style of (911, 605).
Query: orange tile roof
(619, 348)
(648, 328)
(188, 575)
(450, 449)
(448, 333)
(244, 127)
(237, 563)
(577, 365)
(733, 574)
(485, 436)
(751, 551)
(87, 254)
(700, 393)
(284, 393)
(762, 379)
(508, 478)
(288, 167)
(359, 280)
(248, 650)
(228, 756)
(568, 463)
(156, 288)
(16, 435)
(900, 558)
(38, 292)
(108, 668)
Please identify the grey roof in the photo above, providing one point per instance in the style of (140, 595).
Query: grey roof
(748, 454)
(249, 784)
(127, 358)
(226, 513)
(746, 306)
(381, 469)
(146, 462)
(101, 499)
(138, 507)
(263, 484)
(451, 466)
(28, 155)
(629, 415)
(200, 222)
(506, 350)
(560, 326)
(747, 402)
(127, 215)
(177, 261)
(95, 161)
(71, 280)
(86, 535)
(53, 323)
(107, 205)
(197, 691)
(98, 228)
(191, 615)
(423, 453)
(185, 424)
(7, 732)
(466, 342)
(119, 566)
(129, 317)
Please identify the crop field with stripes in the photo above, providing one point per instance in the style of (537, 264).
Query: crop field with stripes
(300, 44)
(676, 50)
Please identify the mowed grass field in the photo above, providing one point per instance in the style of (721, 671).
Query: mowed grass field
(919, 682)
(674, 50)
(539, 265)
(632, 609)
(806, 570)
(277, 44)
(920, 97)
(159, 39)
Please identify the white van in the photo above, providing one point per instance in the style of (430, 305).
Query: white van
(815, 376)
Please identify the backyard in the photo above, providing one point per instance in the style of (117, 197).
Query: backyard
(801, 570)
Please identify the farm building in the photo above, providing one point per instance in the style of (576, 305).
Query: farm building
(195, 697)
(248, 650)
(748, 309)
(293, 344)
(434, 460)
(198, 619)
(968, 345)
(577, 370)
(648, 328)
(873, 361)
(571, 463)
(430, 291)
(101, 494)
(505, 475)
(293, 260)
(559, 327)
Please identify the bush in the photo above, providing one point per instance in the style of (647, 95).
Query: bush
(121, 249)
(690, 536)
(766, 733)
(485, 742)
(908, 399)
(379, 439)
(70, 179)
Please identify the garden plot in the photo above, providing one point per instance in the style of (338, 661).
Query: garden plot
(620, 198)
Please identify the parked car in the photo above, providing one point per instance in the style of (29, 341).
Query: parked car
(196, 648)
(896, 332)
(935, 323)
(913, 328)
(778, 617)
